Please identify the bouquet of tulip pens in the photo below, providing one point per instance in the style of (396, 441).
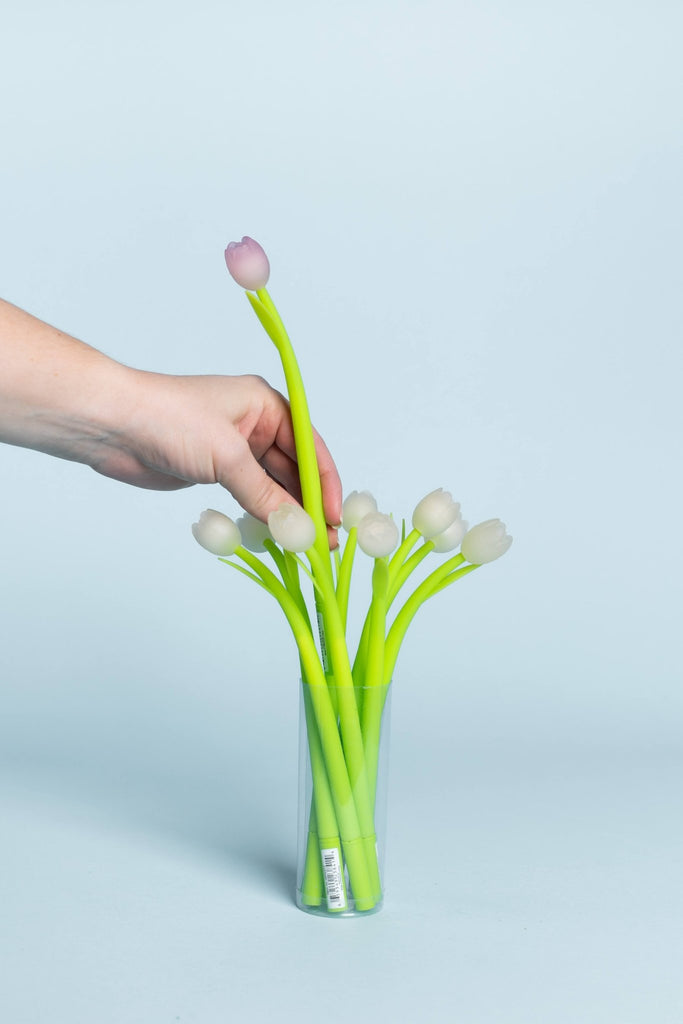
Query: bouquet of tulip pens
(344, 685)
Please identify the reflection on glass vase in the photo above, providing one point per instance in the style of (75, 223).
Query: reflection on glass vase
(343, 765)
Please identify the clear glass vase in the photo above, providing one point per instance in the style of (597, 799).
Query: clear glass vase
(343, 766)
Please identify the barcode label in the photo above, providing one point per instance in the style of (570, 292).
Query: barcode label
(334, 882)
(323, 645)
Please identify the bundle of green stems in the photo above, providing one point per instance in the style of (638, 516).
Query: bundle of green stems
(343, 698)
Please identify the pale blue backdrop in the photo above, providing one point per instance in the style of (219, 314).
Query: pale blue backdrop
(473, 216)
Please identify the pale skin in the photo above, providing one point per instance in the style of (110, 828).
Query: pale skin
(154, 430)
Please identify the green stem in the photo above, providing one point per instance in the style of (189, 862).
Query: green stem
(245, 572)
(426, 589)
(312, 883)
(308, 572)
(397, 577)
(349, 720)
(408, 567)
(279, 558)
(309, 472)
(325, 836)
(399, 556)
(362, 653)
(344, 577)
(343, 784)
(322, 824)
(378, 616)
(374, 692)
(452, 578)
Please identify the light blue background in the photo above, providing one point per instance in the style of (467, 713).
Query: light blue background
(473, 217)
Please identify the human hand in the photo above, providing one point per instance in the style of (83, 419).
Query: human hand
(61, 396)
(234, 431)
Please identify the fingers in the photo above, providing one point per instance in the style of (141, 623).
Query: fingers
(259, 465)
(250, 485)
(284, 470)
(260, 490)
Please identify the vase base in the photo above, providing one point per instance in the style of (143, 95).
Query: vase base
(320, 910)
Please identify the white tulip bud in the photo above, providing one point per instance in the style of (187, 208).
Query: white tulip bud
(377, 535)
(254, 532)
(292, 527)
(435, 513)
(216, 533)
(485, 542)
(357, 505)
(451, 536)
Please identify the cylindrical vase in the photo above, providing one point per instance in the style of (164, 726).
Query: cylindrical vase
(343, 766)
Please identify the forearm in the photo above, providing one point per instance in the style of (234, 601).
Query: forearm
(153, 430)
(57, 395)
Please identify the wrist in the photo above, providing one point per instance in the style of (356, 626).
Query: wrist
(57, 395)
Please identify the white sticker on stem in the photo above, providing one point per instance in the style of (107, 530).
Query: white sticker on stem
(334, 881)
